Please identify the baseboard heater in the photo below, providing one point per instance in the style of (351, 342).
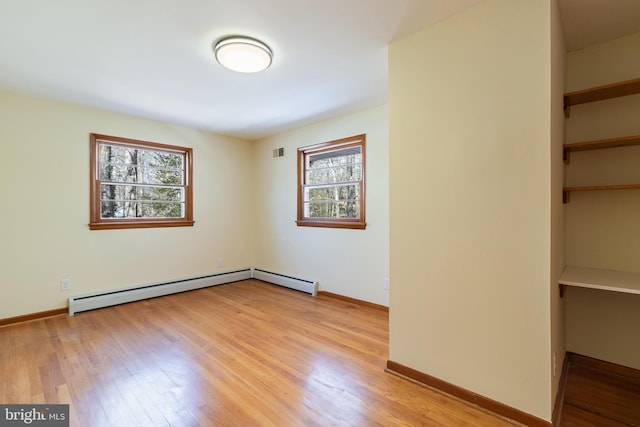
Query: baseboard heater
(78, 304)
(81, 303)
(308, 286)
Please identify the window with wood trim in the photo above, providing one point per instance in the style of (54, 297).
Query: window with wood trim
(331, 186)
(139, 184)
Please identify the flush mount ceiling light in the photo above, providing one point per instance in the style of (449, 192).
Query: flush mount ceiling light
(243, 54)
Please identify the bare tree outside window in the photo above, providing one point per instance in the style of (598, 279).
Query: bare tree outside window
(331, 184)
(139, 184)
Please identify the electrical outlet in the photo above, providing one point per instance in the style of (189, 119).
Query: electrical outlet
(220, 262)
(65, 285)
(386, 283)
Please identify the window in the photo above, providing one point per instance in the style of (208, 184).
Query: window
(331, 184)
(138, 184)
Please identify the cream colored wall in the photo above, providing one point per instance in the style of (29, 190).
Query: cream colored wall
(44, 183)
(347, 262)
(558, 71)
(470, 202)
(603, 230)
(603, 64)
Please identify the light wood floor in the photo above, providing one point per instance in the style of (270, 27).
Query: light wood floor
(242, 354)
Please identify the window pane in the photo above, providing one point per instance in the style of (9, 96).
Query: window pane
(131, 192)
(333, 161)
(158, 159)
(163, 176)
(347, 155)
(336, 193)
(134, 201)
(117, 154)
(331, 209)
(124, 173)
(141, 209)
(334, 174)
(332, 201)
(162, 210)
(119, 173)
(145, 166)
(161, 194)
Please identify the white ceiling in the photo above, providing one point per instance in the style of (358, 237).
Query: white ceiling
(152, 58)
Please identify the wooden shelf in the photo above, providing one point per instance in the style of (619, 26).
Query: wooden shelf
(594, 278)
(599, 144)
(600, 93)
(566, 191)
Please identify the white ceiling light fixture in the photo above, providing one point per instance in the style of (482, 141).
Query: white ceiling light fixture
(243, 54)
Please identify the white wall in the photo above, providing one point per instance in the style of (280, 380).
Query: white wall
(44, 182)
(470, 202)
(603, 230)
(244, 203)
(352, 263)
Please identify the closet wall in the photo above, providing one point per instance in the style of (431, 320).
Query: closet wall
(603, 227)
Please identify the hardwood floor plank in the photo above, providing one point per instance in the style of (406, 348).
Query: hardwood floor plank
(246, 353)
(606, 367)
(576, 417)
(601, 393)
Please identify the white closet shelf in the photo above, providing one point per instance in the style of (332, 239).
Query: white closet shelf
(595, 278)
